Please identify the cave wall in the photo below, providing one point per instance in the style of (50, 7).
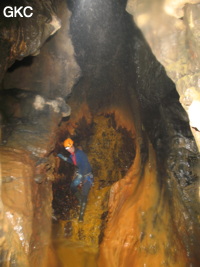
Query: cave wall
(140, 230)
(54, 71)
(171, 29)
(26, 206)
(21, 37)
(32, 104)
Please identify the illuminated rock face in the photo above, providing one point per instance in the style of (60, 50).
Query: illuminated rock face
(153, 205)
(171, 29)
(148, 223)
(25, 210)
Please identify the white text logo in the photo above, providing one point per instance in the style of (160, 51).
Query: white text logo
(21, 11)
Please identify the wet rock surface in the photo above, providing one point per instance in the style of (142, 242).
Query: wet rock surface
(30, 113)
(171, 29)
(20, 212)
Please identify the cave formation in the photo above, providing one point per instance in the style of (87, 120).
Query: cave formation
(121, 79)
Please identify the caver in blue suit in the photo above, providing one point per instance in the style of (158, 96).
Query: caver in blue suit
(83, 178)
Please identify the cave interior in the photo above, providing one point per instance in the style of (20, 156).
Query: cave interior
(96, 80)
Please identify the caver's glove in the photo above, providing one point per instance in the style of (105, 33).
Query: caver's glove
(62, 157)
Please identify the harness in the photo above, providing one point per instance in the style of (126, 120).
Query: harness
(88, 177)
(79, 178)
(88, 174)
(82, 179)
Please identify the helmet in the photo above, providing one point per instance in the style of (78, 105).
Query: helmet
(68, 143)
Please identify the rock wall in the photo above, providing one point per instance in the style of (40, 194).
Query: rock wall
(171, 28)
(31, 109)
(140, 230)
(21, 36)
(26, 210)
(54, 71)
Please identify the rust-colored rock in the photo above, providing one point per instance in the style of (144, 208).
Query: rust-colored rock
(23, 229)
(140, 229)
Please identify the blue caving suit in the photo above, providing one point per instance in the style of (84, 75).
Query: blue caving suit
(84, 175)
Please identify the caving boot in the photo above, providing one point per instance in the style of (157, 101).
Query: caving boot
(82, 211)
